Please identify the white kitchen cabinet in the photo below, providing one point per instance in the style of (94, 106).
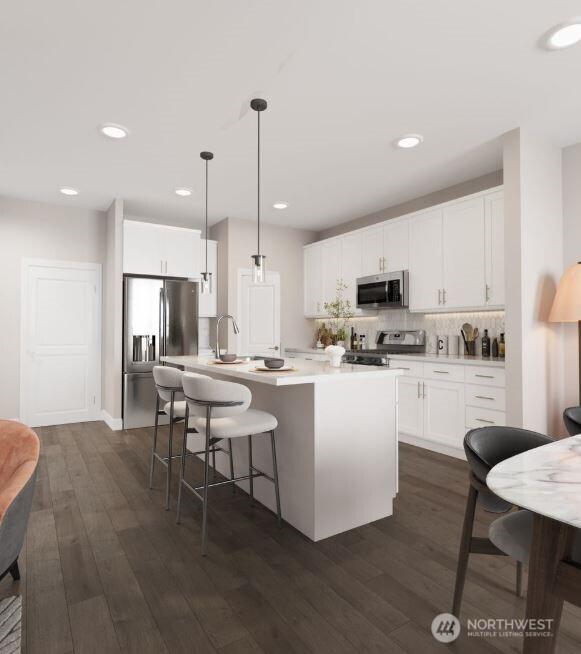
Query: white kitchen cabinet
(444, 412)
(372, 260)
(351, 264)
(152, 249)
(426, 261)
(331, 264)
(494, 238)
(410, 406)
(313, 280)
(208, 305)
(463, 256)
(396, 245)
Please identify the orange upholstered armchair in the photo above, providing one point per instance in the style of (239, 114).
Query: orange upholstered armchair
(19, 450)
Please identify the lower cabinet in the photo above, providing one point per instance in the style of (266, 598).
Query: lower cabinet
(436, 413)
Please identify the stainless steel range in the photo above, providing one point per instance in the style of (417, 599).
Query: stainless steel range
(389, 342)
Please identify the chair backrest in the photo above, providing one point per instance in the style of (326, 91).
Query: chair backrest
(572, 420)
(487, 446)
(205, 390)
(166, 378)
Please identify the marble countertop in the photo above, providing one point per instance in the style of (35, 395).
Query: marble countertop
(546, 480)
(428, 358)
(306, 372)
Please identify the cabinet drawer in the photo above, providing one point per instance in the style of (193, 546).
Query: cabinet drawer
(485, 397)
(410, 368)
(476, 417)
(444, 372)
(486, 376)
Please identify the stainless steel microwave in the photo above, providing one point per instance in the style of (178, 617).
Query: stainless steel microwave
(385, 291)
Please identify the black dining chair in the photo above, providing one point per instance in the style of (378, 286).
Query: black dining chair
(572, 420)
(485, 447)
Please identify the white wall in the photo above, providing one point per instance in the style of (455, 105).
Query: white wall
(112, 363)
(38, 230)
(571, 255)
(283, 247)
(534, 262)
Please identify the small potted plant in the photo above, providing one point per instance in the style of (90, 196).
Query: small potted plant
(340, 313)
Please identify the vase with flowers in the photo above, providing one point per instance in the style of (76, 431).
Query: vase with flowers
(340, 312)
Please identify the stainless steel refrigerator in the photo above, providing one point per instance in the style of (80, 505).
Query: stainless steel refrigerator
(160, 317)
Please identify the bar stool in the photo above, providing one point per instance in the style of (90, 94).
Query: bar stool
(220, 410)
(485, 447)
(168, 384)
(572, 420)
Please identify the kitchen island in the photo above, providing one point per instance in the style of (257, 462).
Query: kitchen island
(336, 440)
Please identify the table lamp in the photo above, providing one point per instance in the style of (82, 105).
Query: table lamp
(567, 304)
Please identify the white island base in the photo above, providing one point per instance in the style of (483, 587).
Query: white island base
(336, 442)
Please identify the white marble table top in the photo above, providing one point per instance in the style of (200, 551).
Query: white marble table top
(546, 480)
(306, 372)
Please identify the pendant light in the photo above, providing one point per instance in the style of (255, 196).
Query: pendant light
(206, 286)
(258, 263)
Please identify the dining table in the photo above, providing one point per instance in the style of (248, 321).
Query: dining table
(547, 482)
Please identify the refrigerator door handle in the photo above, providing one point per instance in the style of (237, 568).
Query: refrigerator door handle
(161, 346)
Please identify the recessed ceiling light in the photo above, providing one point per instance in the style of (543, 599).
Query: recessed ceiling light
(280, 205)
(67, 190)
(114, 131)
(564, 35)
(183, 192)
(409, 141)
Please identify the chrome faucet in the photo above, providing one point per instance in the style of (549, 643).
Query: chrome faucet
(234, 326)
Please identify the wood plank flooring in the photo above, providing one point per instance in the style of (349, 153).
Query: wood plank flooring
(106, 569)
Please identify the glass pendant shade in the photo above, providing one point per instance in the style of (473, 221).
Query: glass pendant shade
(258, 268)
(206, 283)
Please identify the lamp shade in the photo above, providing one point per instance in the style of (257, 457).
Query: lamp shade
(567, 303)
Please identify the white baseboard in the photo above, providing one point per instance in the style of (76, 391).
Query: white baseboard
(456, 452)
(114, 424)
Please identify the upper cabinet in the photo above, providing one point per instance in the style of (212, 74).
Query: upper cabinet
(426, 261)
(162, 250)
(208, 302)
(454, 254)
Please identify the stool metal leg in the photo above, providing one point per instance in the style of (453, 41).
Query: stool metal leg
(183, 464)
(214, 464)
(154, 444)
(169, 456)
(231, 465)
(275, 475)
(251, 480)
(519, 579)
(206, 481)
(464, 552)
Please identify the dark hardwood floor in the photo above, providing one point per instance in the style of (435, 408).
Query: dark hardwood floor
(106, 569)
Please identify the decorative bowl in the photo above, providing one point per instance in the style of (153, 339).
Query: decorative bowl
(227, 358)
(273, 364)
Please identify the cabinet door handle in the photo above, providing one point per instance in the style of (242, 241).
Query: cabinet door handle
(439, 296)
(161, 266)
(442, 372)
(402, 368)
(484, 397)
(488, 422)
(424, 390)
(484, 376)
(443, 296)
(487, 292)
(419, 391)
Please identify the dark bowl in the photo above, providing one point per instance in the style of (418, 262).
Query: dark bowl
(227, 358)
(273, 364)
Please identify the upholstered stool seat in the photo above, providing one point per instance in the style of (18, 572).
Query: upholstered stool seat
(179, 409)
(252, 421)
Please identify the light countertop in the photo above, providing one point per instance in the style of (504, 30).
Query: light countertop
(306, 372)
(545, 480)
(428, 358)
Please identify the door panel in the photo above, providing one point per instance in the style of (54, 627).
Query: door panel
(181, 252)
(372, 260)
(426, 261)
(410, 406)
(143, 310)
(313, 271)
(259, 311)
(181, 318)
(142, 248)
(61, 343)
(444, 412)
(396, 246)
(351, 253)
(331, 270)
(494, 230)
(463, 247)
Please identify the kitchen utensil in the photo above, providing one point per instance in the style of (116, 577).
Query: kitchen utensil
(227, 358)
(475, 333)
(465, 340)
(273, 363)
(468, 331)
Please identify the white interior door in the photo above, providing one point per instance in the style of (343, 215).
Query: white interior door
(259, 312)
(60, 351)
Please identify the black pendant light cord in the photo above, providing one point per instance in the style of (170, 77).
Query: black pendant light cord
(206, 217)
(258, 199)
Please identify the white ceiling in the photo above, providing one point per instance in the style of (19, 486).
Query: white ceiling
(342, 78)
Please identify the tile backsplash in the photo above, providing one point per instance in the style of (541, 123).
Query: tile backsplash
(433, 323)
